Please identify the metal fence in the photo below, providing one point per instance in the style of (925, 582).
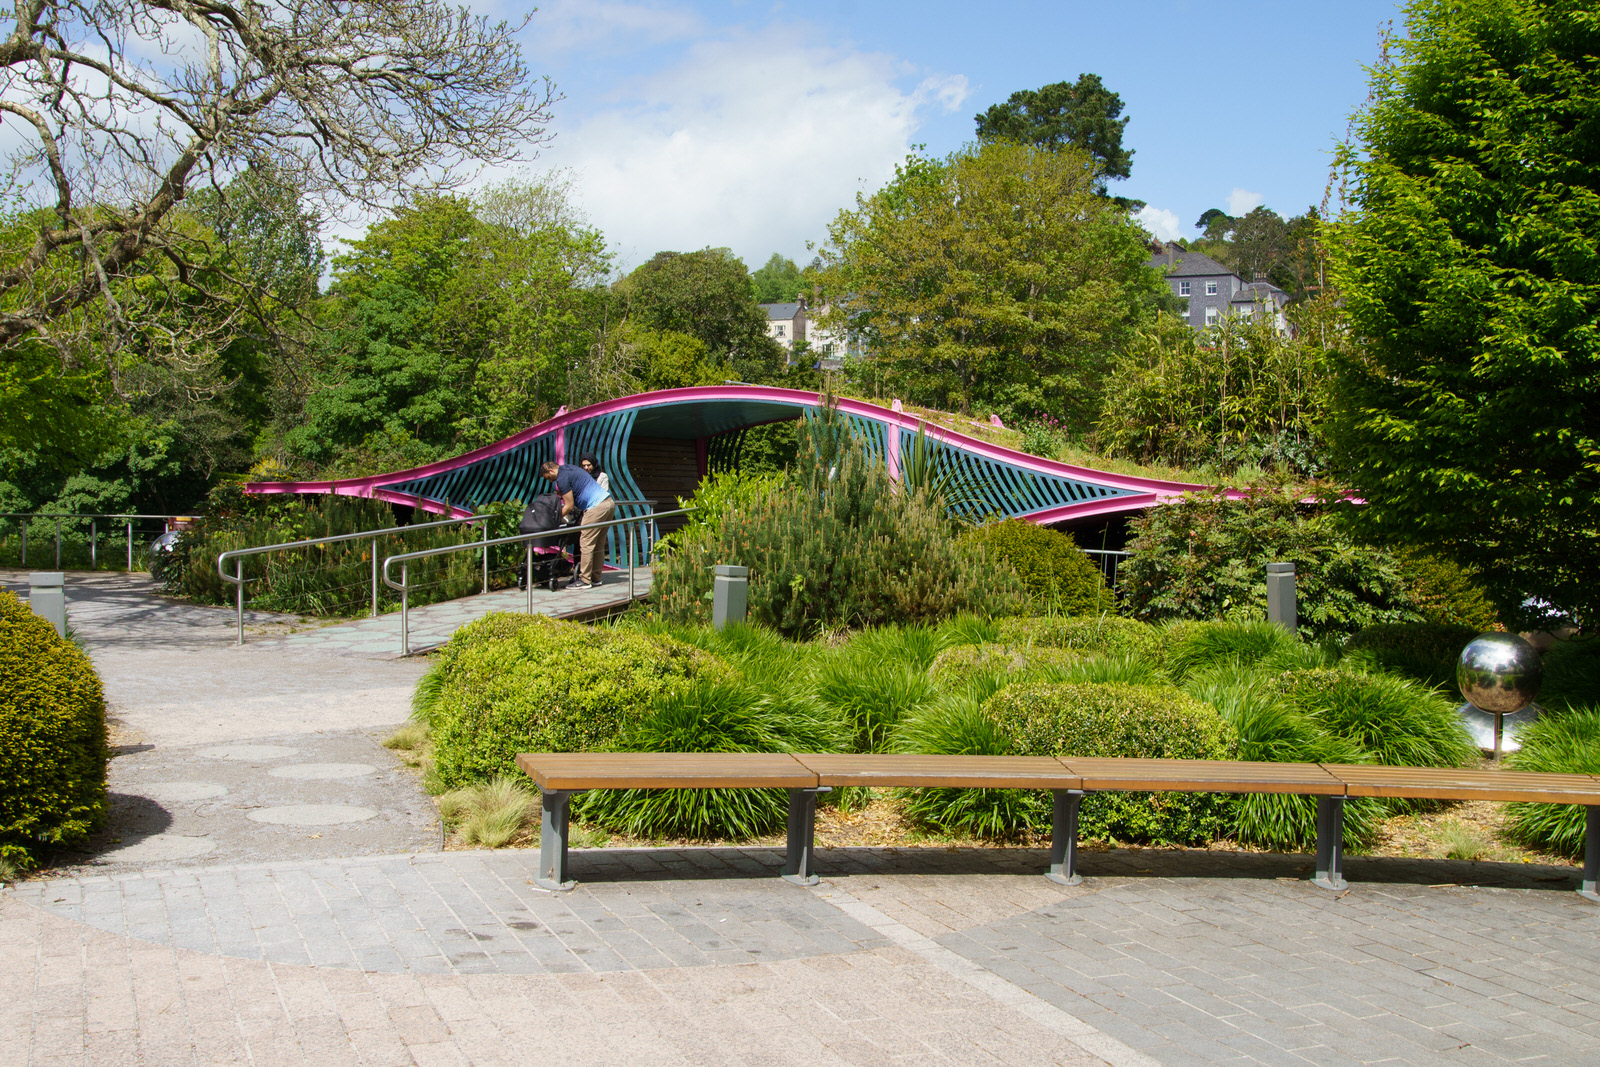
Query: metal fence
(125, 519)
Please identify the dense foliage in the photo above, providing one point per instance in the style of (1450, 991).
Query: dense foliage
(1566, 744)
(1468, 416)
(52, 737)
(1055, 571)
(1206, 556)
(841, 547)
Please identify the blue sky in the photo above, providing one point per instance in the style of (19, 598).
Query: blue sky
(695, 123)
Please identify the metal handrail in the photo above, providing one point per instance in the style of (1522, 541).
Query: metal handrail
(94, 556)
(404, 559)
(238, 554)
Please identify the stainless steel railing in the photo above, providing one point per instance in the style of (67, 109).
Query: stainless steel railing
(128, 518)
(237, 555)
(405, 558)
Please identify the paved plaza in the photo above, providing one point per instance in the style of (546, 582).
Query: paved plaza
(272, 890)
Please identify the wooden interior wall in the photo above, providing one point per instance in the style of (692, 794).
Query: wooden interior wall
(665, 468)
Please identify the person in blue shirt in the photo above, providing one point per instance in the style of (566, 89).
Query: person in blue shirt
(583, 494)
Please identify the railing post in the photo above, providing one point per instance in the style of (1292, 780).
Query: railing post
(130, 546)
(374, 577)
(527, 572)
(630, 567)
(94, 544)
(486, 553)
(58, 544)
(238, 592)
(405, 596)
(24, 540)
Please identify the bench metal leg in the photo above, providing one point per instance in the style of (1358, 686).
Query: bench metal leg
(1590, 889)
(553, 841)
(1064, 838)
(802, 834)
(1330, 844)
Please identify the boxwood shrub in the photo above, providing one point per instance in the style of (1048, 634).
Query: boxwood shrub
(1054, 570)
(1122, 720)
(1571, 674)
(52, 737)
(509, 685)
(1086, 633)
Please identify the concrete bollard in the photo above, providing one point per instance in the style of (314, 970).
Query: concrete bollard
(730, 594)
(1281, 606)
(47, 596)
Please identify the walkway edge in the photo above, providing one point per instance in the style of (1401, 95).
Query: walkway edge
(1080, 1033)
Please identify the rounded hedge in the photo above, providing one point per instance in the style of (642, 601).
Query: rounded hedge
(1054, 570)
(534, 684)
(1571, 674)
(1088, 633)
(952, 666)
(52, 737)
(1159, 722)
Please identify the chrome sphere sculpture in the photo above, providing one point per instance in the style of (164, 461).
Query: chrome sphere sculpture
(1498, 673)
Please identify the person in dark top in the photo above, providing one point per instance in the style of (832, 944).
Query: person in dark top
(591, 463)
(583, 495)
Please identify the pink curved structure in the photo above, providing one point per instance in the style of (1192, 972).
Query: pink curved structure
(1013, 483)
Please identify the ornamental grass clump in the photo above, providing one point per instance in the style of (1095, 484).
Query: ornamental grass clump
(875, 680)
(1396, 721)
(548, 686)
(1087, 633)
(1270, 729)
(1568, 743)
(1187, 647)
(53, 748)
(1426, 652)
(711, 716)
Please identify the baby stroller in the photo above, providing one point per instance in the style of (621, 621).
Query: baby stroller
(550, 563)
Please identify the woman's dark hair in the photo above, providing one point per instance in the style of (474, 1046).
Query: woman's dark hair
(590, 457)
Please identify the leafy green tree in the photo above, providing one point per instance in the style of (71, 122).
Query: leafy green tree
(708, 295)
(1084, 115)
(1468, 417)
(998, 279)
(778, 282)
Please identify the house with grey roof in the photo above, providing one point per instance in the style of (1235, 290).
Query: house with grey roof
(786, 323)
(1212, 291)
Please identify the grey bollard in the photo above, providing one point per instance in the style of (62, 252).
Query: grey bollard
(730, 594)
(47, 596)
(1281, 596)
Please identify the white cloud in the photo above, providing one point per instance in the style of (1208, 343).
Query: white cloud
(1159, 221)
(735, 146)
(1242, 201)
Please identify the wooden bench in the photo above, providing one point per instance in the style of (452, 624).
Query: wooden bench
(560, 774)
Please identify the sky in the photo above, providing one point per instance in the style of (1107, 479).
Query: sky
(688, 124)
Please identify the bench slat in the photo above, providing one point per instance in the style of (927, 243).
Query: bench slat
(1454, 783)
(665, 770)
(1187, 775)
(981, 772)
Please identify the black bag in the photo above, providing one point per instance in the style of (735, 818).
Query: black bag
(549, 563)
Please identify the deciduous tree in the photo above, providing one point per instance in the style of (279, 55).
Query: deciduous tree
(1469, 416)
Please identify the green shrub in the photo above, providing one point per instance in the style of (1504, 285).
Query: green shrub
(1398, 722)
(1102, 633)
(549, 686)
(968, 630)
(1446, 593)
(1121, 720)
(1054, 570)
(53, 748)
(1571, 674)
(841, 547)
(711, 717)
(871, 692)
(1271, 730)
(957, 726)
(1104, 669)
(953, 665)
(1569, 744)
(1205, 557)
(1426, 652)
(1187, 647)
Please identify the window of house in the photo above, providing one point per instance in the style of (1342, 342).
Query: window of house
(780, 331)
(1211, 288)
(1183, 288)
(1211, 315)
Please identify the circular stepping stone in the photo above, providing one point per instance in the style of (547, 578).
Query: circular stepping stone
(178, 792)
(319, 771)
(248, 753)
(313, 814)
(159, 848)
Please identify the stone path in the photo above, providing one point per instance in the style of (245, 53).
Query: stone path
(314, 920)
